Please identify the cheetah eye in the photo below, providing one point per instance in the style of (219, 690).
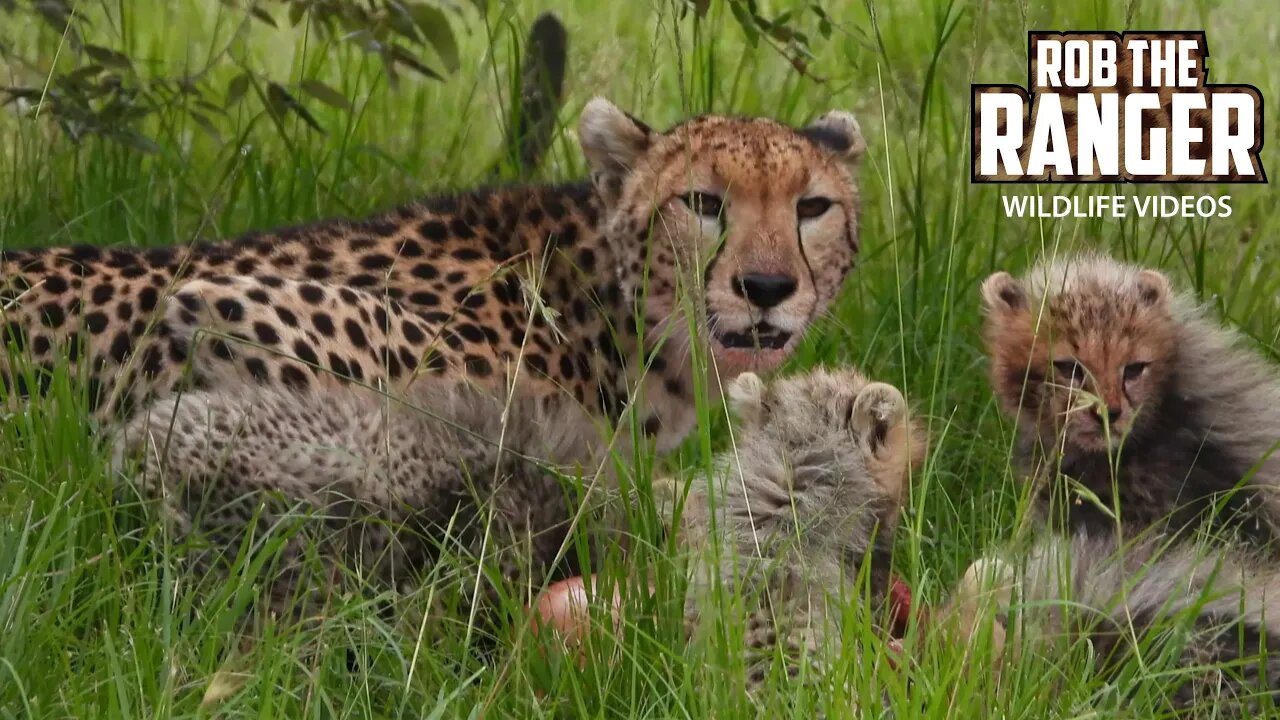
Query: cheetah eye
(1070, 369)
(812, 207)
(1134, 370)
(705, 204)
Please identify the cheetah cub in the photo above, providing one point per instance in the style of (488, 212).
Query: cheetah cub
(390, 486)
(1128, 389)
(1202, 617)
(801, 510)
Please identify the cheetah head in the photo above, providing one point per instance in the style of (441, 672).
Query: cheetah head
(745, 225)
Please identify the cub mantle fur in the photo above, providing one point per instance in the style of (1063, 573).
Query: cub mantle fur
(801, 509)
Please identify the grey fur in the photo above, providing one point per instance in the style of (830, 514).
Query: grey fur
(1216, 608)
(389, 482)
(801, 509)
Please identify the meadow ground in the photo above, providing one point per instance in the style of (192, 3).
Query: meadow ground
(96, 617)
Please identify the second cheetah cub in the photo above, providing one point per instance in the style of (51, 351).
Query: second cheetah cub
(802, 509)
(1126, 388)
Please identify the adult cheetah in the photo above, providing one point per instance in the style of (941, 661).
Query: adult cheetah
(734, 232)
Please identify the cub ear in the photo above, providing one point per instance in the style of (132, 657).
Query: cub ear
(1002, 293)
(838, 133)
(1153, 287)
(612, 140)
(746, 397)
(877, 410)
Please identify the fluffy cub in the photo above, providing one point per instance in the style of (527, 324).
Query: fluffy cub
(391, 483)
(1197, 617)
(801, 510)
(1126, 388)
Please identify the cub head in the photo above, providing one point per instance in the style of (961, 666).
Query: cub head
(1082, 347)
(837, 422)
(748, 223)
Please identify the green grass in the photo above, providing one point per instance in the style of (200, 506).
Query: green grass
(97, 618)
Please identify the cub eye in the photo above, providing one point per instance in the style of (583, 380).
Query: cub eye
(812, 207)
(1134, 370)
(705, 204)
(1070, 369)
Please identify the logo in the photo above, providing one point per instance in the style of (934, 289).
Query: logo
(1117, 107)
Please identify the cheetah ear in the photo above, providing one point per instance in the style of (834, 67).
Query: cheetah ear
(877, 411)
(746, 397)
(1002, 293)
(1153, 287)
(612, 140)
(838, 133)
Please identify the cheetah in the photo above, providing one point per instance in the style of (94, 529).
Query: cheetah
(379, 484)
(1127, 388)
(724, 234)
(800, 511)
(399, 480)
(1201, 616)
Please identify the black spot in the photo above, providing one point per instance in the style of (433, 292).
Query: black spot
(305, 353)
(133, 271)
(433, 361)
(55, 285)
(461, 229)
(323, 323)
(271, 281)
(293, 377)
(410, 249)
(363, 281)
(433, 230)
(231, 310)
(189, 301)
(316, 271)
(96, 322)
(40, 345)
(339, 366)
(259, 296)
(120, 346)
(470, 332)
(466, 254)
(257, 369)
(425, 271)
(51, 315)
(652, 426)
(412, 332)
(152, 361)
(101, 294)
(475, 300)
(451, 339)
(221, 349)
(389, 361)
(267, 334)
(478, 366)
(287, 317)
(311, 293)
(376, 262)
(455, 277)
(355, 333)
(424, 297)
(246, 266)
(566, 367)
(124, 311)
(147, 299)
(537, 363)
(408, 358)
(361, 244)
(348, 295)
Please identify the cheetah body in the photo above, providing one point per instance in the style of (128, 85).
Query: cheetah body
(595, 290)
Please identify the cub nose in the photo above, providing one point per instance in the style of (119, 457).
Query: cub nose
(1112, 413)
(764, 290)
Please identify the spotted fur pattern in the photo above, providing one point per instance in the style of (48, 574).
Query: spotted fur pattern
(1128, 388)
(383, 485)
(577, 289)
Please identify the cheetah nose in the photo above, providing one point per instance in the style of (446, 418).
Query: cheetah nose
(764, 290)
(1113, 415)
